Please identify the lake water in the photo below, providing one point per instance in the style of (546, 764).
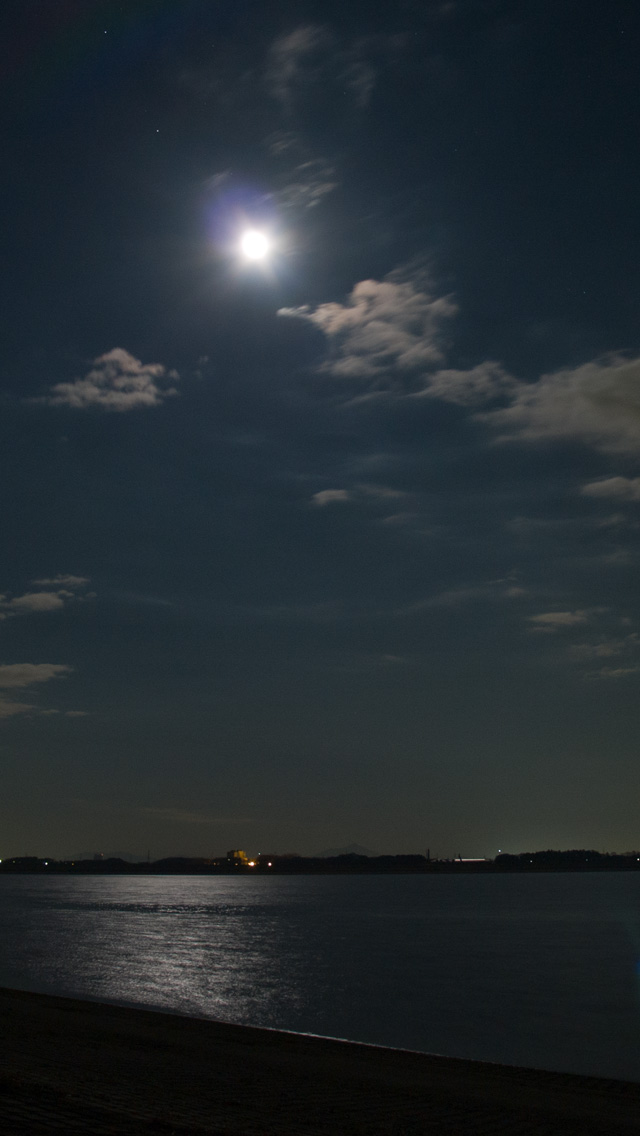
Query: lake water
(539, 970)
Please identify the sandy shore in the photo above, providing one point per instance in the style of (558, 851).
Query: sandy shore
(81, 1067)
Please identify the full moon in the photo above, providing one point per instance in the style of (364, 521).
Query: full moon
(254, 244)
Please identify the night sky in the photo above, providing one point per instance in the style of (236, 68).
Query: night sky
(340, 544)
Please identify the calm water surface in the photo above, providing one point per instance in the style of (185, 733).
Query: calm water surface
(538, 971)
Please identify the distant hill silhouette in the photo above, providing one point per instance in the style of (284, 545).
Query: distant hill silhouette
(350, 850)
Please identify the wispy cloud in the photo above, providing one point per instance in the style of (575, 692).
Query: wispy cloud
(304, 68)
(302, 177)
(17, 677)
(331, 497)
(9, 709)
(559, 526)
(556, 620)
(492, 591)
(481, 384)
(614, 672)
(605, 649)
(503, 590)
(363, 493)
(618, 488)
(116, 382)
(296, 60)
(312, 58)
(76, 583)
(605, 641)
(367, 662)
(187, 816)
(309, 182)
(283, 142)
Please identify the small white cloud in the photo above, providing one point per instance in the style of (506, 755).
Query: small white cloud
(554, 620)
(331, 497)
(35, 601)
(62, 590)
(363, 493)
(117, 382)
(620, 488)
(18, 676)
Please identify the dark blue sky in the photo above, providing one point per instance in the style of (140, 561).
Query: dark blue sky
(341, 545)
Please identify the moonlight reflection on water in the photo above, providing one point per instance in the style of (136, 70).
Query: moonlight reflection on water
(535, 971)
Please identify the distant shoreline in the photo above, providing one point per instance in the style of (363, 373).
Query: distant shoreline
(94, 1067)
(575, 860)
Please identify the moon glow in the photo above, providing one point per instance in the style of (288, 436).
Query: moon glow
(254, 244)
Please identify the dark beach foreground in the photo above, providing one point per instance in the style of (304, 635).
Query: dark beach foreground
(68, 1066)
